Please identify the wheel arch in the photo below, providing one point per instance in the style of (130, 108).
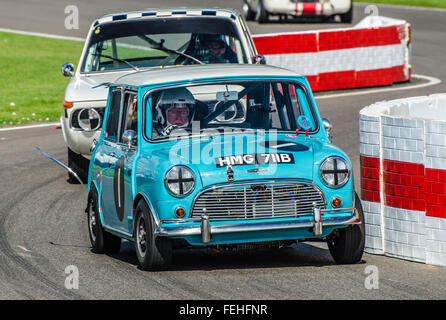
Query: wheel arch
(143, 197)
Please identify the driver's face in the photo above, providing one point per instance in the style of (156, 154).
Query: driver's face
(216, 47)
(178, 116)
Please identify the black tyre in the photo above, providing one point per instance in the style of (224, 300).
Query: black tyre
(346, 245)
(262, 16)
(101, 240)
(79, 165)
(248, 14)
(348, 16)
(154, 253)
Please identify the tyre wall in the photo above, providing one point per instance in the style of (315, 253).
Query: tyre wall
(403, 178)
(375, 52)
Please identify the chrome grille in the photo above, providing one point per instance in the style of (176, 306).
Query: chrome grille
(258, 201)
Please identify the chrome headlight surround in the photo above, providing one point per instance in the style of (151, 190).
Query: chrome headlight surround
(89, 119)
(334, 172)
(179, 181)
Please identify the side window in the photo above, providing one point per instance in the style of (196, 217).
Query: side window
(131, 112)
(112, 127)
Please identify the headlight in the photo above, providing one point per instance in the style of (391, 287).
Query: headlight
(89, 119)
(334, 172)
(179, 181)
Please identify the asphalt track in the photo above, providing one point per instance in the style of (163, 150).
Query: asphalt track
(43, 227)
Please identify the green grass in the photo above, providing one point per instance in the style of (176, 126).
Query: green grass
(31, 84)
(417, 3)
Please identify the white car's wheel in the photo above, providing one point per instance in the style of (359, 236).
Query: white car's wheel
(262, 15)
(248, 14)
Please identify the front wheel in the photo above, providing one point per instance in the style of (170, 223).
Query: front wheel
(346, 245)
(154, 253)
(348, 16)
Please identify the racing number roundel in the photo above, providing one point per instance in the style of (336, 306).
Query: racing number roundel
(118, 188)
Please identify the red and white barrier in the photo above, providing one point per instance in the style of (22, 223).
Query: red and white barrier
(375, 52)
(403, 178)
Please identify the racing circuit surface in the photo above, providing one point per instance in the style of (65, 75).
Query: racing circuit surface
(43, 225)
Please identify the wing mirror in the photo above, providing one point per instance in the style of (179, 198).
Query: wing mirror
(130, 138)
(67, 70)
(328, 128)
(259, 59)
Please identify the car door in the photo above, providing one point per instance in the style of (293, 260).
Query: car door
(112, 150)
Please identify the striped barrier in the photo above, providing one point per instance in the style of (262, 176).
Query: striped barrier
(403, 178)
(376, 52)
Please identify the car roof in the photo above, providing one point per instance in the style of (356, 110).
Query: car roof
(167, 12)
(195, 72)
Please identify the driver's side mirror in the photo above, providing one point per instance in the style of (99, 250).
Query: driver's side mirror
(130, 138)
(259, 59)
(328, 128)
(67, 70)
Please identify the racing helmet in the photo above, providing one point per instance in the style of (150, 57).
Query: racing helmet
(214, 43)
(175, 107)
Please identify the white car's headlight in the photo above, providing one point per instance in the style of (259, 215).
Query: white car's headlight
(334, 172)
(179, 181)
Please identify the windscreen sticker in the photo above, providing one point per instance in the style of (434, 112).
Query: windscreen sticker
(255, 158)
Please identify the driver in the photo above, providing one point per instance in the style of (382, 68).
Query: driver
(218, 51)
(175, 109)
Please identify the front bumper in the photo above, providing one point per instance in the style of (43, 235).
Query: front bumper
(183, 228)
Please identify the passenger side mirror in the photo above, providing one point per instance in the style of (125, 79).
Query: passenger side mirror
(130, 138)
(259, 59)
(328, 128)
(68, 70)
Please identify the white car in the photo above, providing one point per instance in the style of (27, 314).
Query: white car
(261, 10)
(124, 43)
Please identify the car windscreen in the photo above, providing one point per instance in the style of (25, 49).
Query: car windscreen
(251, 105)
(145, 42)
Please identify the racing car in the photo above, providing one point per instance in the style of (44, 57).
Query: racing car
(218, 156)
(261, 10)
(123, 43)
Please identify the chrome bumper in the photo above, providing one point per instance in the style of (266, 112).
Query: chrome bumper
(206, 229)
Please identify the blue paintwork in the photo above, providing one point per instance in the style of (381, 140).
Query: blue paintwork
(150, 162)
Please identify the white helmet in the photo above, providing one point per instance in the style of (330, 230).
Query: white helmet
(170, 99)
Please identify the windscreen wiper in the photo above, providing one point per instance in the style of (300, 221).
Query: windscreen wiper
(117, 59)
(160, 46)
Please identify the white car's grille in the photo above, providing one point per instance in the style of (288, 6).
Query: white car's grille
(258, 201)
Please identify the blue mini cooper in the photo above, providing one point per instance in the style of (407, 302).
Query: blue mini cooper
(220, 156)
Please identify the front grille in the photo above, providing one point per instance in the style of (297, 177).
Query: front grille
(258, 201)
(75, 116)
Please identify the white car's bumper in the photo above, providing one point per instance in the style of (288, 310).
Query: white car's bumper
(307, 8)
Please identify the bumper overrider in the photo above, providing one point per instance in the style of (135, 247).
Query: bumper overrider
(205, 228)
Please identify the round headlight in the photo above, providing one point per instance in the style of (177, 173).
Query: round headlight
(334, 172)
(179, 181)
(89, 119)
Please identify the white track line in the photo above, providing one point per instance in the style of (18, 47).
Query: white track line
(395, 6)
(431, 82)
(43, 35)
(31, 126)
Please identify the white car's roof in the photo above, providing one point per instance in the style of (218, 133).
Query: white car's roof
(167, 12)
(195, 72)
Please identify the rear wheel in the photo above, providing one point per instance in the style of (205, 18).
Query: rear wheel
(262, 15)
(248, 14)
(346, 245)
(101, 240)
(154, 253)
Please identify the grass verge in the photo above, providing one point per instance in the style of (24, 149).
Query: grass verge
(414, 3)
(31, 85)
